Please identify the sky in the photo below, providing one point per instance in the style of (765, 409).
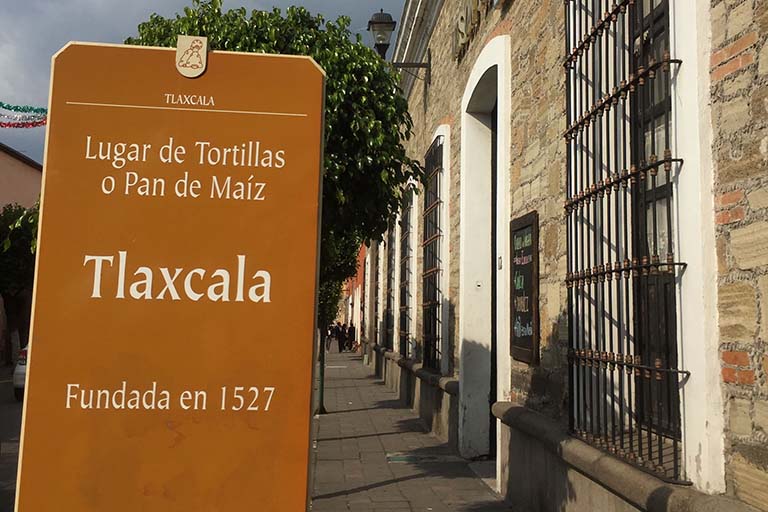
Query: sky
(31, 31)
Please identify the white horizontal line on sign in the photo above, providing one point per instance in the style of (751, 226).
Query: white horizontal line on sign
(153, 107)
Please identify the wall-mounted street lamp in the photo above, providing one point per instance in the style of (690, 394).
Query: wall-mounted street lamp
(381, 25)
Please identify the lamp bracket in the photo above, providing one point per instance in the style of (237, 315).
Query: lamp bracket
(419, 65)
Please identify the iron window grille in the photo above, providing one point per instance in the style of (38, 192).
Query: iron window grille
(623, 375)
(432, 268)
(376, 301)
(389, 312)
(361, 328)
(405, 276)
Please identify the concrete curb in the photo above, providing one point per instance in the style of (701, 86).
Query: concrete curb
(639, 488)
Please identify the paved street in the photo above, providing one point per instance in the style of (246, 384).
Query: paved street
(10, 425)
(373, 454)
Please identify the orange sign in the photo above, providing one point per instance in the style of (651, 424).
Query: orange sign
(172, 343)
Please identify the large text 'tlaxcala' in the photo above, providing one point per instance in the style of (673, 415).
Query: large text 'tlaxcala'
(165, 283)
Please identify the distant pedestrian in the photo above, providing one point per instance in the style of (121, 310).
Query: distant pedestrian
(351, 337)
(340, 336)
(343, 334)
(328, 337)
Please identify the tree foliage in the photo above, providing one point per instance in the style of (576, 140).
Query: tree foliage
(18, 245)
(328, 303)
(366, 116)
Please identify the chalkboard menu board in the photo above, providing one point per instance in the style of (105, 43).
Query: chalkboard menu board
(524, 236)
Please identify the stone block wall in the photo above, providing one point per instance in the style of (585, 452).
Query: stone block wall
(537, 179)
(739, 94)
(537, 182)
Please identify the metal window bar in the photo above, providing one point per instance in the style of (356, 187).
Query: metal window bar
(432, 268)
(362, 327)
(376, 285)
(405, 276)
(389, 312)
(623, 378)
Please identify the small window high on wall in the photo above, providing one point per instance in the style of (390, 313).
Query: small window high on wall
(432, 263)
(624, 381)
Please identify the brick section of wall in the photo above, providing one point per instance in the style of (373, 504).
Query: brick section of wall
(739, 89)
(536, 174)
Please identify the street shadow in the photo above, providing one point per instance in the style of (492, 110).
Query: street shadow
(412, 425)
(367, 377)
(363, 488)
(436, 464)
(381, 404)
(361, 436)
(330, 386)
(489, 506)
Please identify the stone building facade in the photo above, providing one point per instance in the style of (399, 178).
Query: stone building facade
(739, 95)
(441, 293)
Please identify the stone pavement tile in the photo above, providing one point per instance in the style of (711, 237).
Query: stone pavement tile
(359, 507)
(331, 504)
(365, 424)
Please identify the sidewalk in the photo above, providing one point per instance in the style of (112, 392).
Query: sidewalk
(373, 454)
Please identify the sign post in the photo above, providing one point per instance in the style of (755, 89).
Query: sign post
(171, 360)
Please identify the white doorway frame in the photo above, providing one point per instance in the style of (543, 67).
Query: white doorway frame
(475, 250)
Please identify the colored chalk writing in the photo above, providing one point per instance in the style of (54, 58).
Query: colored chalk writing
(524, 343)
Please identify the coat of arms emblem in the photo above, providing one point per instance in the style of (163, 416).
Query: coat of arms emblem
(191, 55)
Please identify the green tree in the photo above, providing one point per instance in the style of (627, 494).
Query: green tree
(18, 245)
(366, 166)
(328, 303)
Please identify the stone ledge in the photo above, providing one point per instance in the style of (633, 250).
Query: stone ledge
(410, 364)
(637, 487)
(392, 356)
(448, 384)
